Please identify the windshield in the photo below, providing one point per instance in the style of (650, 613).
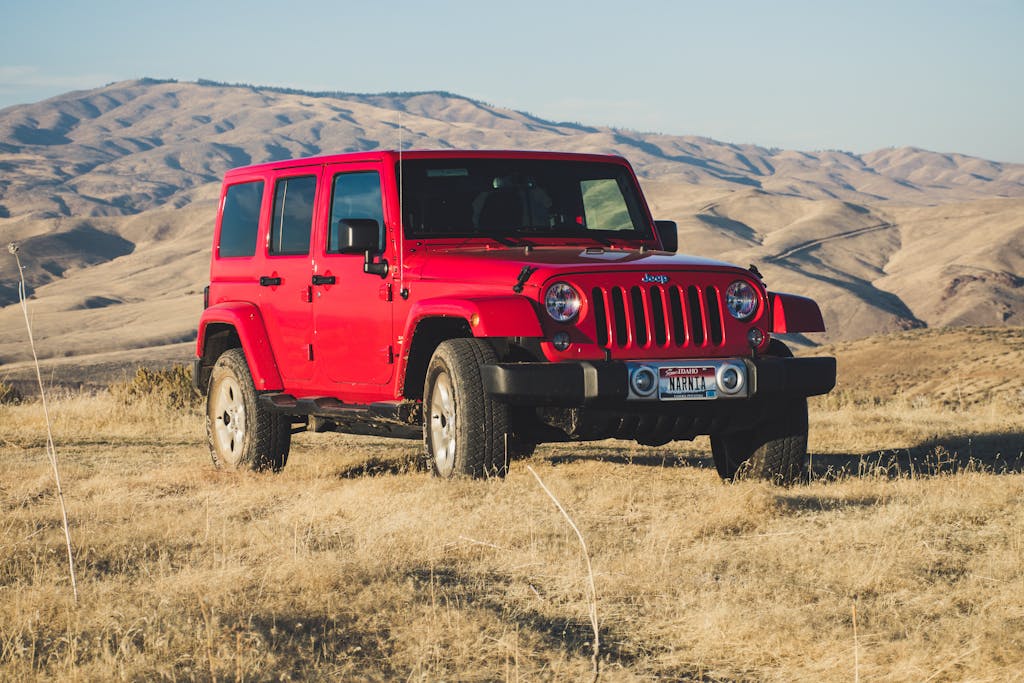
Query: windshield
(520, 197)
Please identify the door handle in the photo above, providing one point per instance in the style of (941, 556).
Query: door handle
(324, 280)
(267, 281)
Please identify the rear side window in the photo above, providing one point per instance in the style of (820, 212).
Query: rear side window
(240, 219)
(293, 215)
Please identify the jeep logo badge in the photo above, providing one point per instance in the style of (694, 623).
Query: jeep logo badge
(660, 279)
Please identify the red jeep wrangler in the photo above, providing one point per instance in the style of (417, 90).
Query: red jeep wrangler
(487, 302)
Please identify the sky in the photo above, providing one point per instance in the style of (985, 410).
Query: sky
(825, 74)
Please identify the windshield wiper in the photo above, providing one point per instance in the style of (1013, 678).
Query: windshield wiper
(503, 240)
(603, 241)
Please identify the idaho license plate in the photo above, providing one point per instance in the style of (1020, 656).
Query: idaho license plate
(687, 383)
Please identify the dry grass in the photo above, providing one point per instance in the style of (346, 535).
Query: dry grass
(347, 566)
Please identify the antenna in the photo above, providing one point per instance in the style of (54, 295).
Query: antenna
(401, 212)
(401, 185)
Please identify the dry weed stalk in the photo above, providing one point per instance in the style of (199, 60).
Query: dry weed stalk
(208, 622)
(590, 574)
(856, 648)
(51, 450)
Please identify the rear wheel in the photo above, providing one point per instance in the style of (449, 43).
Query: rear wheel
(241, 433)
(464, 429)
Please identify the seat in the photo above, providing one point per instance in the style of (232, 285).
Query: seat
(502, 210)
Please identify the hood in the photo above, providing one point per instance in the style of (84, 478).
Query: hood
(502, 265)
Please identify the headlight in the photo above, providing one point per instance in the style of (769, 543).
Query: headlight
(562, 301)
(741, 300)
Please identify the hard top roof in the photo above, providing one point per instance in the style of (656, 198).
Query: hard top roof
(392, 156)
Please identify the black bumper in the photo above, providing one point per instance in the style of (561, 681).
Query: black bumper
(580, 383)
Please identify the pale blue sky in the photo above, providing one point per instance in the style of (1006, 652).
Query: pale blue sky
(858, 76)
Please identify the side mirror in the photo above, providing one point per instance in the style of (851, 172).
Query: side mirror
(358, 235)
(362, 236)
(668, 233)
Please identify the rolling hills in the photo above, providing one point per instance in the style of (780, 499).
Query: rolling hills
(111, 194)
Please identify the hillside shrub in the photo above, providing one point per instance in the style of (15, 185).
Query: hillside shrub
(171, 387)
(9, 394)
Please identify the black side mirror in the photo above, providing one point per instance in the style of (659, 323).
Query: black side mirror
(362, 235)
(356, 235)
(668, 233)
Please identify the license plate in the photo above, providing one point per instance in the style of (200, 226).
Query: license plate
(687, 383)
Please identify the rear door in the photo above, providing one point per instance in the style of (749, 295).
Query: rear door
(352, 309)
(285, 291)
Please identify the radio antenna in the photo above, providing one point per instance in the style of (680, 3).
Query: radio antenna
(401, 211)
(401, 185)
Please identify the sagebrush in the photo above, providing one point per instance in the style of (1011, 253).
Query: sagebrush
(171, 387)
(9, 394)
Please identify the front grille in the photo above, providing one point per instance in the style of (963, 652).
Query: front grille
(665, 316)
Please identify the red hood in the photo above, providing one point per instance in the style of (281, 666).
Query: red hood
(477, 264)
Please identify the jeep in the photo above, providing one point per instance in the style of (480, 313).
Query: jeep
(487, 302)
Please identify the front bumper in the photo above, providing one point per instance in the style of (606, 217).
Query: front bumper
(575, 384)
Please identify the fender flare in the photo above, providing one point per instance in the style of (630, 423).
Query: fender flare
(247, 321)
(494, 316)
(792, 313)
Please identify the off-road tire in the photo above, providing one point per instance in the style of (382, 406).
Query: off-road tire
(776, 449)
(464, 428)
(240, 432)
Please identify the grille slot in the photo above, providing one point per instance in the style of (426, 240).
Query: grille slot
(640, 337)
(714, 310)
(665, 316)
(696, 315)
(658, 317)
(619, 310)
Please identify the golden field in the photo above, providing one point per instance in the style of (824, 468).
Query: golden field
(899, 560)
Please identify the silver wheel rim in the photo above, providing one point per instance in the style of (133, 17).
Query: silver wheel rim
(228, 411)
(442, 424)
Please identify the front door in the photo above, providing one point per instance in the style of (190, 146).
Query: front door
(352, 309)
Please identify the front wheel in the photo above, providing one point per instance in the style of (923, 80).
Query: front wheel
(464, 429)
(776, 449)
(240, 432)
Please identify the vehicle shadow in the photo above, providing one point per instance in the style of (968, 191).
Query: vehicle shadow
(996, 453)
(662, 458)
(378, 467)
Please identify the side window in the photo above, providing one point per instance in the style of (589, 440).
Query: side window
(293, 215)
(604, 206)
(356, 195)
(240, 219)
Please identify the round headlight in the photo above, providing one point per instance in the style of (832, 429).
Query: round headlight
(562, 302)
(741, 300)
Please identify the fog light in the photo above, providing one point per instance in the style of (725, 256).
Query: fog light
(644, 381)
(561, 341)
(755, 337)
(731, 379)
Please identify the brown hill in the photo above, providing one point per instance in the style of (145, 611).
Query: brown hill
(111, 194)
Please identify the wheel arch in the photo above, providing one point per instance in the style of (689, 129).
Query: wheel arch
(426, 337)
(236, 325)
(494, 319)
(792, 313)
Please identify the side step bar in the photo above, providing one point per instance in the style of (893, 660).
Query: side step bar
(403, 419)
